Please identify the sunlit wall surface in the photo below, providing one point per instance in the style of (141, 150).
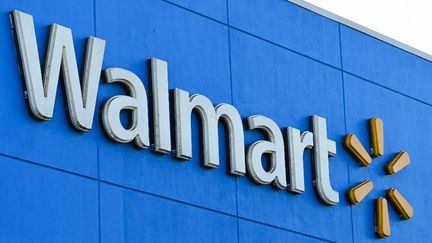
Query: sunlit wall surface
(405, 24)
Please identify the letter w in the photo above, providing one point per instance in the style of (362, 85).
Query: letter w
(41, 91)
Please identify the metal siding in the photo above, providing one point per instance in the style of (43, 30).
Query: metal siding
(277, 60)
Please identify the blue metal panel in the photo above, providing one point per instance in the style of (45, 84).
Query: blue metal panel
(21, 135)
(195, 47)
(128, 216)
(406, 127)
(287, 87)
(255, 232)
(386, 65)
(44, 205)
(198, 63)
(216, 9)
(288, 25)
(150, 197)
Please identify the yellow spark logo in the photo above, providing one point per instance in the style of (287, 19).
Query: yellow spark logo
(357, 193)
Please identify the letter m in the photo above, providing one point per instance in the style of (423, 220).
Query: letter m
(41, 90)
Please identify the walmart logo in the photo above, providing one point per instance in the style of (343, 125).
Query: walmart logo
(357, 193)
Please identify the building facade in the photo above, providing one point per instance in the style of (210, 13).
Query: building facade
(263, 57)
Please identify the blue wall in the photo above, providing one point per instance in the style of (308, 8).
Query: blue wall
(266, 57)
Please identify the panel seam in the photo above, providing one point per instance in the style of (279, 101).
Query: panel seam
(97, 144)
(345, 119)
(232, 102)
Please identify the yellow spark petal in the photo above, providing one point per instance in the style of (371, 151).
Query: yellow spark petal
(357, 193)
(377, 136)
(357, 150)
(401, 205)
(382, 222)
(400, 161)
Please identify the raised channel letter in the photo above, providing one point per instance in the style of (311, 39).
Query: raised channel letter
(296, 146)
(323, 148)
(184, 105)
(274, 147)
(41, 90)
(136, 103)
(160, 111)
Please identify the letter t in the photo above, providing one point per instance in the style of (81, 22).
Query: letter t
(323, 148)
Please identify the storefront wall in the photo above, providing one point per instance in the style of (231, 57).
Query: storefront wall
(266, 57)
